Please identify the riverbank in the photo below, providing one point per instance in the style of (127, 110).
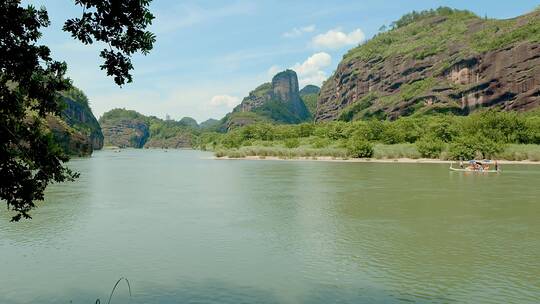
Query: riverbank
(370, 160)
(512, 153)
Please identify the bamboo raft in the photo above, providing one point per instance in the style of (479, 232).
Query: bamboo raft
(479, 169)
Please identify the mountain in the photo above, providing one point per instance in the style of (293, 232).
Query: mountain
(189, 122)
(438, 61)
(124, 128)
(309, 95)
(127, 128)
(78, 115)
(76, 130)
(209, 124)
(278, 101)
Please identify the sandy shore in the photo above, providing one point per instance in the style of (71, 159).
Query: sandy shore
(372, 160)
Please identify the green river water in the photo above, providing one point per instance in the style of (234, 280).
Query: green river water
(184, 228)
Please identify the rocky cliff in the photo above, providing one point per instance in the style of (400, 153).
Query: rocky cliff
(126, 128)
(79, 116)
(126, 133)
(77, 130)
(278, 101)
(70, 140)
(438, 61)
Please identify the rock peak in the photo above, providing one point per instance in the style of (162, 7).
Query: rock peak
(278, 101)
(285, 86)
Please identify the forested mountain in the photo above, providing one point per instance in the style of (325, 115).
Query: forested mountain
(127, 128)
(309, 95)
(438, 61)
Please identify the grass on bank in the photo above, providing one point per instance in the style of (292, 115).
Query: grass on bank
(380, 151)
(489, 134)
(513, 152)
(520, 152)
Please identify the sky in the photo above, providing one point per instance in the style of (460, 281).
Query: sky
(210, 54)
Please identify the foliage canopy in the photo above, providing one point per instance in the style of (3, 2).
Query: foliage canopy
(31, 82)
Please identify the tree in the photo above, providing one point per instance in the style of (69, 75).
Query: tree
(360, 148)
(30, 82)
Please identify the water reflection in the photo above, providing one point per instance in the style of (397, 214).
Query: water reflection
(185, 229)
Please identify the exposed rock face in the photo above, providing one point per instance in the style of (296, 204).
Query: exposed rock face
(285, 89)
(459, 76)
(255, 99)
(77, 130)
(126, 133)
(79, 116)
(129, 129)
(70, 140)
(239, 119)
(507, 78)
(278, 101)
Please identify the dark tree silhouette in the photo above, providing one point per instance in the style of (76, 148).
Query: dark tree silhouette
(30, 81)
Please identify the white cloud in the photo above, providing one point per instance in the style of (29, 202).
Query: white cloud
(296, 32)
(187, 15)
(334, 39)
(311, 70)
(254, 57)
(224, 100)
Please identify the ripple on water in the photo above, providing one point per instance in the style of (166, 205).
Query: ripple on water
(191, 230)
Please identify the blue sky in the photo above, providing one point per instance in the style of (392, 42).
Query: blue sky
(210, 54)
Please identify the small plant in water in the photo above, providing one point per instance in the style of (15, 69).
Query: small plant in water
(98, 301)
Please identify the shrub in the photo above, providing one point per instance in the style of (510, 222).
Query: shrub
(232, 140)
(507, 127)
(444, 128)
(531, 134)
(360, 149)
(392, 134)
(430, 147)
(337, 130)
(376, 129)
(471, 147)
(305, 129)
(319, 143)
(292, 143)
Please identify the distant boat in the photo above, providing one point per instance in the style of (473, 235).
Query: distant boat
(480, 166)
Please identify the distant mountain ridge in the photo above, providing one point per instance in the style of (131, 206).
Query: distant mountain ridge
(438, 61)
(127, 128)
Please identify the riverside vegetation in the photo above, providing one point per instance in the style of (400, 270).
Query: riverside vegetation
(487, 134)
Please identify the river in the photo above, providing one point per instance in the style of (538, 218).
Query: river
(184, 228)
